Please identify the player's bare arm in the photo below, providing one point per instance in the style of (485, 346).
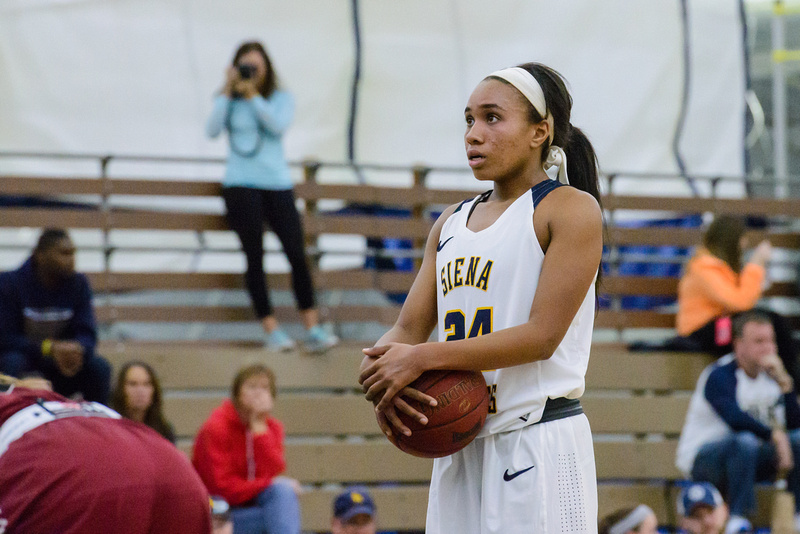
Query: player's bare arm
(418, 316)
(414, 325)
(569, 226)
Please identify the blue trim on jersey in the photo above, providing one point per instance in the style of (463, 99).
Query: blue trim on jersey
(540, 190)
(460, 205)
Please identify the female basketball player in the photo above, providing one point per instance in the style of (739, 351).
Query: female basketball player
(508, 277)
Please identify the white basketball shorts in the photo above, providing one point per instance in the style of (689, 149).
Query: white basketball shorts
(537, 480)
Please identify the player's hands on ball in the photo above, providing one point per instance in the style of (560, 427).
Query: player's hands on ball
(393, 368)
(388, 420)
(385, 374)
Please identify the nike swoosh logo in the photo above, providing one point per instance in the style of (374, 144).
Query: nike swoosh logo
(507, 477)
(441, 245)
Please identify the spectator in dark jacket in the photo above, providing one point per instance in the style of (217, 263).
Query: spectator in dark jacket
(743, 422)
(47, 324)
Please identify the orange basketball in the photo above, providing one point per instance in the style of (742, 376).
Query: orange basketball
(454, 423)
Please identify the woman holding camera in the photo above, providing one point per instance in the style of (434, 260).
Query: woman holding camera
(258, 187)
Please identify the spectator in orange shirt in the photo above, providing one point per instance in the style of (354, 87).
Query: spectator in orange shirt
(716, 285)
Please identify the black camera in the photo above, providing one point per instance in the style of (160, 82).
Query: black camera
(247, 71)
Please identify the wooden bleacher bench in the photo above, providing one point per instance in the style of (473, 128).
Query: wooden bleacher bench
(332, 436)
(635, 402)
(110, 217)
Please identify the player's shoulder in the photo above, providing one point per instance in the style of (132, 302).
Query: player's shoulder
(571, 209)
(453, 209)
(571, 197)
(569, 205)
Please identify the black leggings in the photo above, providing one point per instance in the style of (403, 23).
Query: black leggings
(247, 210)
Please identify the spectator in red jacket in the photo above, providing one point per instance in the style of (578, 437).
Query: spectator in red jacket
(238, 453)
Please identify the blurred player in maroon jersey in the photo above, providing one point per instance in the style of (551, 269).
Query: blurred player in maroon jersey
(78, 467)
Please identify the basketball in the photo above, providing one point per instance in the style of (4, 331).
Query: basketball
(454, 422)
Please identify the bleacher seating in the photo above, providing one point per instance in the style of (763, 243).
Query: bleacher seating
(635, 402)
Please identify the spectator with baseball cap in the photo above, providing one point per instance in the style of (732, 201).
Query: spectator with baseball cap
(353, 512)
(701, 509)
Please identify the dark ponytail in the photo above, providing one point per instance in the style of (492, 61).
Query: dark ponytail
(582, 163)
(581, 157)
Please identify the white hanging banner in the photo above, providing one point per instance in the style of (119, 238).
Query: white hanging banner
(137, 77)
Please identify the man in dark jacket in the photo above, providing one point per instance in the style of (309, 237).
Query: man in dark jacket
(47, 324)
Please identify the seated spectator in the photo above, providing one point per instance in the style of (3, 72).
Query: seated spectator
(701, 509)
(733, 436)
(137, 396)
(716, 285)
(74, 467)
(238, 453)
(353, 512)
(639, 520)
(47, 324)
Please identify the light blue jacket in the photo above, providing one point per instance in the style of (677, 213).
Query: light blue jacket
(255, 128)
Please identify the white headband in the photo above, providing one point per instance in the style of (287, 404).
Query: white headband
(632, 520)
(526, 84)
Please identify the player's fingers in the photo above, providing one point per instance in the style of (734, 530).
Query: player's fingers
(375, 393)
(419, 396)
(367, 382)
(375, 351)
(364, 376)
(368, 376)
(409, 410)
(392, 417)
(386, 399)
(386, 428)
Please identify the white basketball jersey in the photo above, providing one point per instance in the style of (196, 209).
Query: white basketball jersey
(487, 281)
